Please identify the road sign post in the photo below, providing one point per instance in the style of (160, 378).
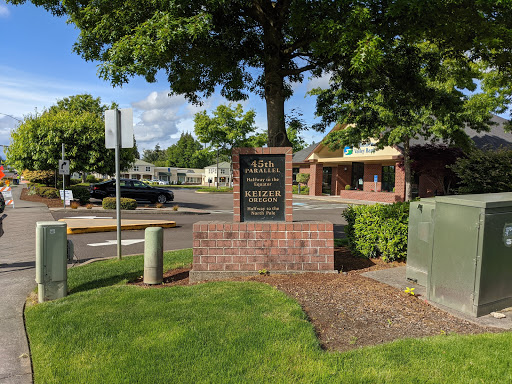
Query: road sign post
(118, 134)
(63, 170)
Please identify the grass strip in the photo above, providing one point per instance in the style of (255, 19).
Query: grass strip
(225, 332)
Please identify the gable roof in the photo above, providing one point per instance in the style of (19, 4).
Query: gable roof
(303, 154)
(494, 139)
(223, 164)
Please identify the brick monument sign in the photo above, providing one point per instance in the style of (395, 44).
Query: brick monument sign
(263, 235)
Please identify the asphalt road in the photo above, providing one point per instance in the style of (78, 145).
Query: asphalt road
(218, 206)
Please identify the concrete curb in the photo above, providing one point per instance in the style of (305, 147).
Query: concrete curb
(78, 226)
(162, 211)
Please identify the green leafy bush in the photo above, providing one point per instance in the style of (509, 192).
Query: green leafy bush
(126, 204)
(484, 171)
(303, 190)
(378, 230)
(48, 192)
(91, 179)
(42, 177)
(347, 187)
(81, 194)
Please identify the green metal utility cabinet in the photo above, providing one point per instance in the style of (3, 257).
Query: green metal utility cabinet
(420, 240)
(471, 266)
(51, 260)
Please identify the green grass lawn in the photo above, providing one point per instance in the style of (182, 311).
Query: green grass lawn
(225, 332)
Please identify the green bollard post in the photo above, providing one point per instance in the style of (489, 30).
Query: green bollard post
(153, 255)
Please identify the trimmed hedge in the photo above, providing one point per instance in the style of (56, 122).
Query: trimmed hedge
(378, 230)
(48, 192)
(126, 204)
(81, 194)
(303, 190)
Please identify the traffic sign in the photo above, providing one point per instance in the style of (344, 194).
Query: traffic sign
(63, 167)
(125, 116)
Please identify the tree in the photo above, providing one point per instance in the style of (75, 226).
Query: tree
(156, 156)
(78, 123)
(188, 153)
(484, 171)
(260, 46)
(414, 90)
(228, 128)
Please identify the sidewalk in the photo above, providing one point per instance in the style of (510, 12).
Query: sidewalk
(336, 199)
(17, 274)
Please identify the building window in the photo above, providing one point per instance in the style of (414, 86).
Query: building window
(148, 169)
(222, 171)
(357, 181)
(294, 175)
(136, 168)
(388, 178)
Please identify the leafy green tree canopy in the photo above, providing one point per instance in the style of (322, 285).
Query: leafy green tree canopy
(413, 91)
(78, 122)
(188, 153)
(155, 156)
(484, 171)
(241, 46)
(228, 128)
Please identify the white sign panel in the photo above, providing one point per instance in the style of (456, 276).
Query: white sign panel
(68, 197)
(63, 167)
(126, 128)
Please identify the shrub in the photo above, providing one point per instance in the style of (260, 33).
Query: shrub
(74, 205)
(303, 190)
(347, 187)
(378, 230)
(484, 171)
(81, 193)
(126, 204)
(42, 177)
(48, 192)
(88, 206)
(91, 179)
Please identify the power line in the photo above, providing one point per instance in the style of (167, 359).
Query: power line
(12, 117)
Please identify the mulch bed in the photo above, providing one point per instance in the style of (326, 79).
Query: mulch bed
(351, 311)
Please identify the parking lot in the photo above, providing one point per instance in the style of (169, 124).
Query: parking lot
(214, 207)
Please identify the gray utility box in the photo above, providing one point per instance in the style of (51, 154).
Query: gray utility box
(51, 260)
(420, 240)
(471, 266)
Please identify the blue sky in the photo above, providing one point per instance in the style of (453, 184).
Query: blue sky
(38, 67)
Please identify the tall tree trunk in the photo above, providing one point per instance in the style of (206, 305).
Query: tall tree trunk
(274, 97)
(407, 169)
(273, 41)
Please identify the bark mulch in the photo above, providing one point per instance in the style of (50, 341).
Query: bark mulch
(350, 311)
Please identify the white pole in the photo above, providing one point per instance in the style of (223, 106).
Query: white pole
(118, 181)
(63, 179)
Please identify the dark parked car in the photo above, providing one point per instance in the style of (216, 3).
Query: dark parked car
(134, 189)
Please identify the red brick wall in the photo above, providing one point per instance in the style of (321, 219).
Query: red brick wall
(221, 248)
(315, 180)
(287, 151)
(370, 170)
(383, 197)
(368, 192)
(400, 180)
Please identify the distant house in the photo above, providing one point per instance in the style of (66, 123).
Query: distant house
(223, 178)
(140, 170)
(368, 173)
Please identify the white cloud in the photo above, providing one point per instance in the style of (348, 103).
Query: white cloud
(319, 82)
(159, 119)
(4, 11)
